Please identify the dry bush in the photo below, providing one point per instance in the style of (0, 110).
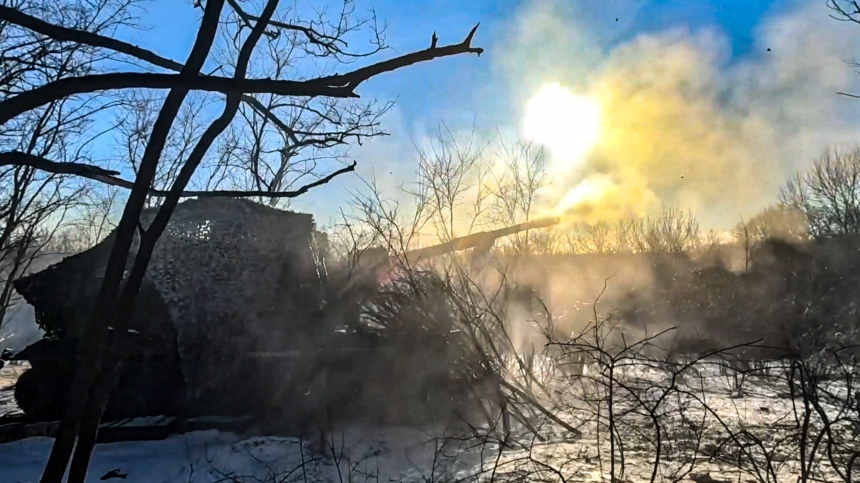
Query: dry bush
(828, 194)
(672, 231)
(600, 237)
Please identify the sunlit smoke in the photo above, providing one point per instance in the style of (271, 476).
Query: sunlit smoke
(602, 198)
(567, 124)
(681, 122)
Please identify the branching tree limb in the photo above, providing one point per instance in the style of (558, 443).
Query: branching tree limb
(109, 177)
(18, 158)
(90, 347)
(35, 205)
(61, 33)
(117, 354)
(328, 43)
(338, 86)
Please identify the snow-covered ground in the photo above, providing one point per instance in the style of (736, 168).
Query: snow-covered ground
(210, 456)
(696, 422)
(364, 454)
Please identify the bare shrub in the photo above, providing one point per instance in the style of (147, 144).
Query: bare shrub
(828, 194)
(672, 231)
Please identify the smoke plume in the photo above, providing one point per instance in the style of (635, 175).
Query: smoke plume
(683, 123)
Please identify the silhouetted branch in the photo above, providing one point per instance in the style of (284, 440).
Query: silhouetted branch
(338, 86)
(15, 158)
(266, 194)
(58, 32)
(328, 43)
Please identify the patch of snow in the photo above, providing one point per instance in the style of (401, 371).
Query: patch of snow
(210, 456)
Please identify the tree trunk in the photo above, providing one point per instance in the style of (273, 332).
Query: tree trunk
(92, 342)
(114, 364)
(92, 417)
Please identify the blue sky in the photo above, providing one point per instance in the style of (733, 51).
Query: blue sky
(435, 89)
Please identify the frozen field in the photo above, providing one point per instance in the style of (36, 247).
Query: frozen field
(210, 456)
(706, 434)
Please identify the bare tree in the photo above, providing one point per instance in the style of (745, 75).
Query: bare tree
(844, 10)
(278, 142)
(672, 231)
(346, 241)
(89, 222)
(828, 194)
(135, 124)
(597, 237)
(97, 369)
(35, 204)
(517, 182)
(548, 241)
(448, 171)
(774, 223)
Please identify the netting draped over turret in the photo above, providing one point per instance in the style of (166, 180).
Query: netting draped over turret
(238, 277)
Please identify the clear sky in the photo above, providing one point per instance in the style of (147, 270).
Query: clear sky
(738, 84)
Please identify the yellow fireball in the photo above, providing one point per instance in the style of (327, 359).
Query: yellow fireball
(565, 123)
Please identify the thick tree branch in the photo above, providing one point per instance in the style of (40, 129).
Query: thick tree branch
(269, 194)
(352, 79)
(18, 158)
(90, 354)
(95, 173)
(339, 86)
(116, 358)
(71, 86)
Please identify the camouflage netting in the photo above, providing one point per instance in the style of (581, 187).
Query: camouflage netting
(232, 278)
(63, 296)
(259, 289)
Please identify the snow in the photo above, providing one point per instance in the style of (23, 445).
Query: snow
(401, 454)
(212, 456)
(377, 454)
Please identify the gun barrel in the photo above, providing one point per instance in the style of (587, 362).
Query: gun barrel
(477, 239)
